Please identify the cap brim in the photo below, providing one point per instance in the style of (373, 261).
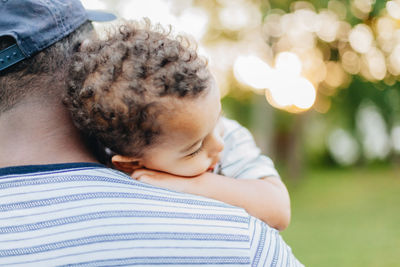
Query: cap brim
(100, 16)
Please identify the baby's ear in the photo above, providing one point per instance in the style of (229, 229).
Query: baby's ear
(126, 164)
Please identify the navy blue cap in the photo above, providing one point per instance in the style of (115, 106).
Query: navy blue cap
(37, 24)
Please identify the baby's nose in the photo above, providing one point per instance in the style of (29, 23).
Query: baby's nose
(218, 144)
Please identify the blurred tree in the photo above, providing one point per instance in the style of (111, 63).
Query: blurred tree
(350, 52)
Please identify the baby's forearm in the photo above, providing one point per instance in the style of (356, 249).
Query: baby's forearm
(266, 199)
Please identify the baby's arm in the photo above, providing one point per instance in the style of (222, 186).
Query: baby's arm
(242, 160)
(266, 199)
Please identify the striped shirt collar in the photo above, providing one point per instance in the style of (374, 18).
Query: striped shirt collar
(47, 167)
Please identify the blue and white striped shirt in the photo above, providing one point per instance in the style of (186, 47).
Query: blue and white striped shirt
(83, 214)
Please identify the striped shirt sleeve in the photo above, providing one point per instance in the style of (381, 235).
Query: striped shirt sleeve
(267, 247)
(241, 157)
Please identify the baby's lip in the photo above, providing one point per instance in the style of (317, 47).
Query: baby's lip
(212, 167)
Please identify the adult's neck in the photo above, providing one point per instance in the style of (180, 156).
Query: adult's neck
(35, 132)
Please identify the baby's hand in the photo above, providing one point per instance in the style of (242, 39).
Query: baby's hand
(162, 179)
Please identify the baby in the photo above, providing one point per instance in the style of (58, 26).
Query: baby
(150, 99)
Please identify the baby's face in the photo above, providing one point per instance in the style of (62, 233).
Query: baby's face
(191, 142)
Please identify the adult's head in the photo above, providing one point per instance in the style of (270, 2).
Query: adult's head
(36, 40)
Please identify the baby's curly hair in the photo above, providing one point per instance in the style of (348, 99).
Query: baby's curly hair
(115, 85)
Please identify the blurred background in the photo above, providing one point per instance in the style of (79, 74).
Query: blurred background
(317, 83)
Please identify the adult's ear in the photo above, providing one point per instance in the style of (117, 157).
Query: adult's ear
(126, 164)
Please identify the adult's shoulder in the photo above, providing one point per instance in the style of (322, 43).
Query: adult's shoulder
(93, 215)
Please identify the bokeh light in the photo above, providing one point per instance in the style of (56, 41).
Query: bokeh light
(394, 61)
(285, 87)
(395, 138)
(187, 19)
(351, 62)
(393, 8)
(328, 26)
(288, 63)
(376, 63)
(236, 15)
(252, 71)
(361, 38)
(343, 147)
(372, 129)
(94, 4)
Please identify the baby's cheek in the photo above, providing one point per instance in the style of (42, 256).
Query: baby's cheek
(203, 163)
(195, 166)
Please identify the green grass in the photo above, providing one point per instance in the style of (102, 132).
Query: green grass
(346, 218)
